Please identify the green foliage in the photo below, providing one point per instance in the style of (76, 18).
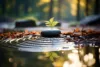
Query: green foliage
(52, 55)
(28, 18)
(51, 22)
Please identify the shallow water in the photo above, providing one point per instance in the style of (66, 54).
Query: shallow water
(37, 57)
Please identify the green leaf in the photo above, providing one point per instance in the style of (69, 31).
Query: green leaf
(51, 22)
(55, 55)
(54, 23)
(51, 58)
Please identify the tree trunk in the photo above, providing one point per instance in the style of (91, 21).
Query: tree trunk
(78, 9)
(3, 7)
(59, 9)
(87, 9)
(16, 8)
(51, 9)
(97, 8)
(26, 4)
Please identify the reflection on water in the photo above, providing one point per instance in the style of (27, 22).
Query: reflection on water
(63, 58)
(46, 48)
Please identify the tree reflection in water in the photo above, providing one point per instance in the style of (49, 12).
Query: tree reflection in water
(69, 58)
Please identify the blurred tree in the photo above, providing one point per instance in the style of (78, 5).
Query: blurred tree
(97, 7)
(87, 9)
(51, 9)
(16, 9)
(44, 9)
(3, 7)
(26, 5)
(78, 10)
(59, 9)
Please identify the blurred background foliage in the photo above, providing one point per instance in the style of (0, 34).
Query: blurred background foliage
(69, 10)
